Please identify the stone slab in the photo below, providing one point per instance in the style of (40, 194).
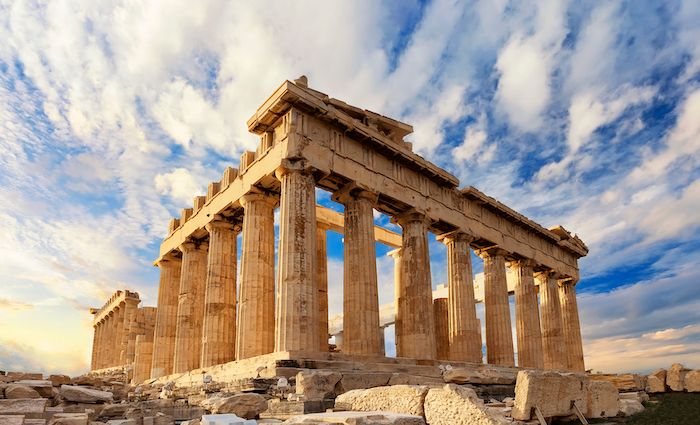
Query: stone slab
(405, 399)
(11, 420)
(85, 395)
(455, 405)
(228, 419)
(551, 392)
(43, 387)
(358, 418)
(22, 406)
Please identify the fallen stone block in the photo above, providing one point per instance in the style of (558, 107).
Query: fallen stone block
(455, 405)
(405, 399)
(11, 420)
(69, 419)
(407, 379)
(20, 391)
(552, 392)
(656, 381)
(317, 385)
(630, 407)
(58, 380)
(247, 405)
(462, 375)
(623, 382)
(277, 408)
(675, 377)
(44, 388)
(692, 381)
(34, 421)
(602, 400)
(227, 419)
(360, 380)
(640, 396)
(18, 376)
(22, 406)
(357, 418)
(85, 395)
(114, 410)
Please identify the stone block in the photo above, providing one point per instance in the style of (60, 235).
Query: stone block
(361, 380)
(552, 392)
(640, 396)
(462, 375)
(692, 381)
(43, 387)
(406, 399)
(623, 382)
(317, 385)
(629, 407)
(34, 421)
(228, 419)
(58, 380)
(114, 410)
(18, 376)
(69, 419)
(20, 391)
(22, 406)
(675, 376)
(11, 420)
(602, 400)
(357, 418)
(247, 405)
(455, 405)
(656, 381)
(85, 395)
(407, 379)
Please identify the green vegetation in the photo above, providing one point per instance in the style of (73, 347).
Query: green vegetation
(670, 409)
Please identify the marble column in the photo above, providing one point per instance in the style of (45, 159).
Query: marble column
(109, 340)
(256, 300)
(190, 309)
(297, 283)
(442, 329)
(551, 322)
(166, 316)
(95, 345)
(130, 310)
(118, 335)
(527, 316)
(360, 294)
(322, 276)
(499, 336)
(416, 298)
(219, 329)
(464, 332)
(398, 290)
(572, 327)
(143, 356)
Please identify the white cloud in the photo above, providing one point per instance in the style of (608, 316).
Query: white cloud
(181, 185)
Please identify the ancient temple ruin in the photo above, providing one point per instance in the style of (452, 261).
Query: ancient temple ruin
(214, 308)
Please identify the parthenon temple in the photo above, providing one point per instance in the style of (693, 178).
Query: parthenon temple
(215, 308)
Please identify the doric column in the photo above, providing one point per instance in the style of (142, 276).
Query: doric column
(572, 327)
(219, 330)
(552, 331)
(360, 294)
(143, 356)
(464, 332)
(322, 276)
(109, 340)
(95, 345)
(166, 316)
(499, 336)
(442, 331)
(416, 299)
(398, 290)
(297, 306)
(118, 335)
(527, 315)
(256, 301)
(130, 308)
(190, 309)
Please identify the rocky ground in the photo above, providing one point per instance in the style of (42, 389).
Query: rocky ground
(462, 396)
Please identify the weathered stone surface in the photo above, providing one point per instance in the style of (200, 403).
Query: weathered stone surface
(552, 392)
(22, 406)
(623, 382)
(18, 376)
(58, 380)
(247, 405)
(675, 376)
(69, 419)
(114, 410)
(602, 399)
(11, 420)
(462, 375)
(357, 418)
(454, 405)
(406, 379)
(20, 391)
(692, 381)
(407, 399)
(317, 385)
(360, 380)
(228, 419)
(630, 407)
(85, 395)
(640, 396)
(656, 381)
(44, 388)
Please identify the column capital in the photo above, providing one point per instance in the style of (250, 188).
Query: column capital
(456, 236)
(220, 222)
(411, 216)
(395, 254)
(566, 280)
(493, 251)
(258, 196)
(293, 166)
(192, 245)
(354, 190)
(170, 256)
(522, 262)
(546, 274)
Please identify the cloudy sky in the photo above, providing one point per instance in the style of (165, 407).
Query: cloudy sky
(113, 115)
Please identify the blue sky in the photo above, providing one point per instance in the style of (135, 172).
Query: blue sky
(585, 114)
